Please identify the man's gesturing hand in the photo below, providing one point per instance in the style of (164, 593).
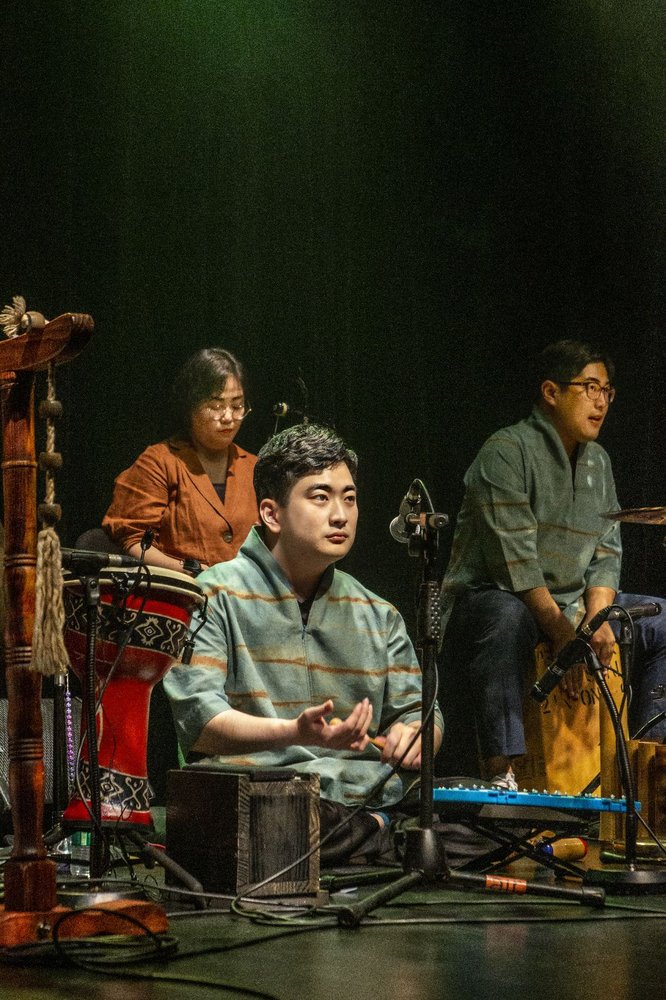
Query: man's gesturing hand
(347, 734)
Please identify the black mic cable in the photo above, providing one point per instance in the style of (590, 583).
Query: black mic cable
(146, 543)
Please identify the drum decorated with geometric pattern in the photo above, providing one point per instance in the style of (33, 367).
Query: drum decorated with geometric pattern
(144, 616)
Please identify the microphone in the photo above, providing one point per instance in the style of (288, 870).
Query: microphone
(574, 651)
(587, 631)
(399, 526)
(280, 409)
(87, 563)
(615, 612)
(648, 610)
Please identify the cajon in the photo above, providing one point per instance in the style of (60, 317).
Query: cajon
(563, 734)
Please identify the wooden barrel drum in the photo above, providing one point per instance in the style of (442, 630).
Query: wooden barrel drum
(158, 606)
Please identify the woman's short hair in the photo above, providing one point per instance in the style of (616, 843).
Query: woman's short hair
(203, 375)
(298, 451)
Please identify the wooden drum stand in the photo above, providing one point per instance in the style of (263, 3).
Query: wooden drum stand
(30, 911)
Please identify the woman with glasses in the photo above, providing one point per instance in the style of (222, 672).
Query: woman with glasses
(193, 491)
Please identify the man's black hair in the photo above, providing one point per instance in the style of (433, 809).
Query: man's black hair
(564, 360)
(298, 451)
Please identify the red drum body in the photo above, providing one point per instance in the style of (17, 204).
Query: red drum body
(159, 609)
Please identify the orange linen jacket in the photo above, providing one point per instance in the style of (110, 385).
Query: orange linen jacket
(167, 489)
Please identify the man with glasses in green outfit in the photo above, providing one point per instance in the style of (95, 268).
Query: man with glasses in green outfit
(533, 558)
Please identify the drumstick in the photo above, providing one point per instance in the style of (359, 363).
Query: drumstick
(378, 741)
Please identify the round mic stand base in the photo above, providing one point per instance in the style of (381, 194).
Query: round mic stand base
(87, 891)
(627, 881)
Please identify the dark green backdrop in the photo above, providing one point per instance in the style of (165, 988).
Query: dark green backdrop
(401, 200)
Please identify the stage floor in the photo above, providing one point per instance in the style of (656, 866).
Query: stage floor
(432, 943)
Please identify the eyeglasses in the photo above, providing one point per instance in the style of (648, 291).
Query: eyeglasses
(593, 390)
(218, 408)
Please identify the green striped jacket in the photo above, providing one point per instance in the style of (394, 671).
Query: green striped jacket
(256, 656)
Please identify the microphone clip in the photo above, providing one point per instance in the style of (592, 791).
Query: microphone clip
(417, 525)
(405, 524)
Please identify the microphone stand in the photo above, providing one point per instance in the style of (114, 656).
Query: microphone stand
(59, 741)
(90, 585)
(425, 854)
(629, 878)
(97, 843)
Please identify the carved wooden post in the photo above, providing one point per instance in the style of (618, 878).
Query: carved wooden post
(29, 876)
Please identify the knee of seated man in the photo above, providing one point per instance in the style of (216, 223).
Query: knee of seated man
(501, 613)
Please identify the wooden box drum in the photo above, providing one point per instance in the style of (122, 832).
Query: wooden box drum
(564, 735)
(158, 606)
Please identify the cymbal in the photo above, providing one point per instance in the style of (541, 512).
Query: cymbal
(639, 515)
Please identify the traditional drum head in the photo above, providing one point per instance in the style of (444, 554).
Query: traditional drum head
(144, 576)
(156, 602)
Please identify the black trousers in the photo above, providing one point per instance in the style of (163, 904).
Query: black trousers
(360, 838)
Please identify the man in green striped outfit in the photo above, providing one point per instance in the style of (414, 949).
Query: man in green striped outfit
(533, 558)
(292, 642)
